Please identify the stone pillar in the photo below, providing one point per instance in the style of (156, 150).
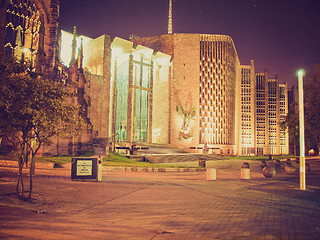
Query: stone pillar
(134, 95)
(129, 111)
(150, 105)
(170, 103)
(114, 106)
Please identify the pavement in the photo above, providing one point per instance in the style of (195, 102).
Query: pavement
(163, 205)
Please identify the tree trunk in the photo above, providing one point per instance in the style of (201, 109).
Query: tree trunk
(20, 185)
(32, 167)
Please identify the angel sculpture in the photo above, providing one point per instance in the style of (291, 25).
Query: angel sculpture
(185, 132)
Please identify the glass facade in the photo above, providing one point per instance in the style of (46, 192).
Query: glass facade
(122, 101)
(137, 105)
(142, 76)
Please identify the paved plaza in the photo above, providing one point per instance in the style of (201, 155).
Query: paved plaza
(163, 205)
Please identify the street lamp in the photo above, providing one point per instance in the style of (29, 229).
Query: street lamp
(301, 73)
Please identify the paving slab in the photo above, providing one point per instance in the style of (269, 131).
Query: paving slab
(163, 205)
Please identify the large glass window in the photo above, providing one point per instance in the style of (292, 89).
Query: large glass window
(142, 73)
(141, 116)
(140, 101)
(122, 101)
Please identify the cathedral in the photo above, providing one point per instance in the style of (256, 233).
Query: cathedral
(188, 91)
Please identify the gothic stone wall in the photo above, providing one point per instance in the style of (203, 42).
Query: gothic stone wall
(98, 90)
(49, 11)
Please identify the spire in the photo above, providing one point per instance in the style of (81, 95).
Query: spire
(80, 55)
(74, 45)
(170, 18)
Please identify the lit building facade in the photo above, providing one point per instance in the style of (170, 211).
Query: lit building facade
(262, 142)
(85, 69)
(273, 117)
(185, 90)
(271, 108)
(203, 90)
(219, 66)
(248, 111)
(29, 31)
(139, 106)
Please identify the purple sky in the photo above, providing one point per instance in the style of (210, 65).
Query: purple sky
(280, 35)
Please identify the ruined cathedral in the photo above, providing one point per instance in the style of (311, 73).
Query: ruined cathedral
(183, 90)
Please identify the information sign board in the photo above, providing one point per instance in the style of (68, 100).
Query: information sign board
(84, 168)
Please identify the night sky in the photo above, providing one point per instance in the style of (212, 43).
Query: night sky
(280, 35)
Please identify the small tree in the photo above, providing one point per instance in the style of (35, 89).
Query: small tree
(32, 110)
(292, 124)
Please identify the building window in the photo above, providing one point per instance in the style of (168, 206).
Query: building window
(22, 32)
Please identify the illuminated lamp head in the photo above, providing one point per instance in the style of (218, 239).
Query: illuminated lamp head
(301, 72)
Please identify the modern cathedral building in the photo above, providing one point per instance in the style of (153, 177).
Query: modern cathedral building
(182, 90)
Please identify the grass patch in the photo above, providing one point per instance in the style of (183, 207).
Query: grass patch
(58, 160)
(117, 160)
(114, 159)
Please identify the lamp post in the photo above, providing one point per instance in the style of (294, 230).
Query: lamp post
(301, 130)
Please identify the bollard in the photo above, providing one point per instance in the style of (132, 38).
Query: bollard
(245, 171)
(211, 174)
(268, 171)
(289, 169)
(99, 170)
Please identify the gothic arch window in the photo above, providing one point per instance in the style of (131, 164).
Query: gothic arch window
(22, 33)
(8, 49)
(9, 33)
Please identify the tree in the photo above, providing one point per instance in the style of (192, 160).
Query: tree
(292, 124)
(32, 110)
(312, 112)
